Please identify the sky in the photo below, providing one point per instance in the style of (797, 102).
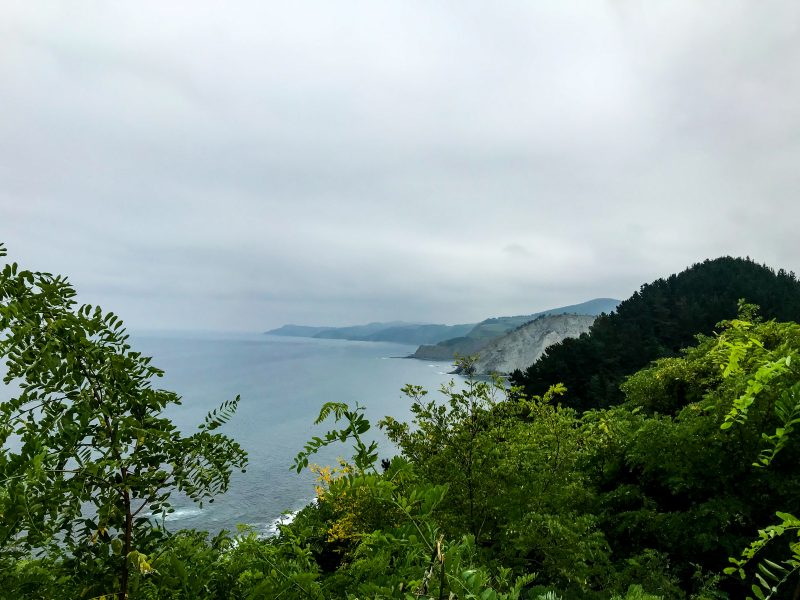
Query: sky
(241, 165)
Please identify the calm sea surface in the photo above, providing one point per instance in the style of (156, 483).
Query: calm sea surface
(282, 382)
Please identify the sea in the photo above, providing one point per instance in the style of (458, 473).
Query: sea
(282, 382)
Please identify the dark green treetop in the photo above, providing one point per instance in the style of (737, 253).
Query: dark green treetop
(655, 322)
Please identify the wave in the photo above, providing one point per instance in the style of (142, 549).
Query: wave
(272, 528)
(184, 513)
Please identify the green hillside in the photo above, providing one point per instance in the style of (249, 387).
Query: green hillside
(657, 321)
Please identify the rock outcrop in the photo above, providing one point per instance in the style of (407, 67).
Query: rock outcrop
(520, 348)
(488, 330)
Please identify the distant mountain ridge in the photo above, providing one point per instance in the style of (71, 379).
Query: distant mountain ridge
(444, 340)
(394, 331)
(482, 334)
(297, 330)
(419, 334)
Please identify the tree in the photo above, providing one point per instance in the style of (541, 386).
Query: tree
(394, 544)
(680, 466)
(767, 354)
(511, 467)
(452, 442)
(657, 322)
(88, 460)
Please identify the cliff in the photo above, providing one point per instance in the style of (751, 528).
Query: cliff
(522, 347)
(482, 334)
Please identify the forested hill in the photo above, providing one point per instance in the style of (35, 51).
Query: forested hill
(657, 321)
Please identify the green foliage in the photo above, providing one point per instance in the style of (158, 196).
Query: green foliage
(387, 526)
(770, 575)
(364, 456)
(86, 456)
(773, 380)
(656, 322)
(449, 443)
(675, 476)
(513, 474)
(36, 579)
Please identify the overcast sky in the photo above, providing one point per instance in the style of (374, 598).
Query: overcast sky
(240, 165)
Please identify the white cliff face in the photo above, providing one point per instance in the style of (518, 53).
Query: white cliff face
(520, 348)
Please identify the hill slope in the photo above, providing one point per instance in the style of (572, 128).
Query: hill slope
(658, 321)
(419, 334)
(490, 329)
(524, 345)
(296, 330)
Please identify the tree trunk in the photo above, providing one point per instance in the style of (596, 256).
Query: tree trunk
(126, 546)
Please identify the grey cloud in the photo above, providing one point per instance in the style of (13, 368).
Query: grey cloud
(240, 166)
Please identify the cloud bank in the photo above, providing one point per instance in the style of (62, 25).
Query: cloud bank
(242, 165)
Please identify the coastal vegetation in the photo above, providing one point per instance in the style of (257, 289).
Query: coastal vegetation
(89, 461)
(660, 464)
(658, 321)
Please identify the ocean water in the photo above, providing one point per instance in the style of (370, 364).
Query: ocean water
(282, 382)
